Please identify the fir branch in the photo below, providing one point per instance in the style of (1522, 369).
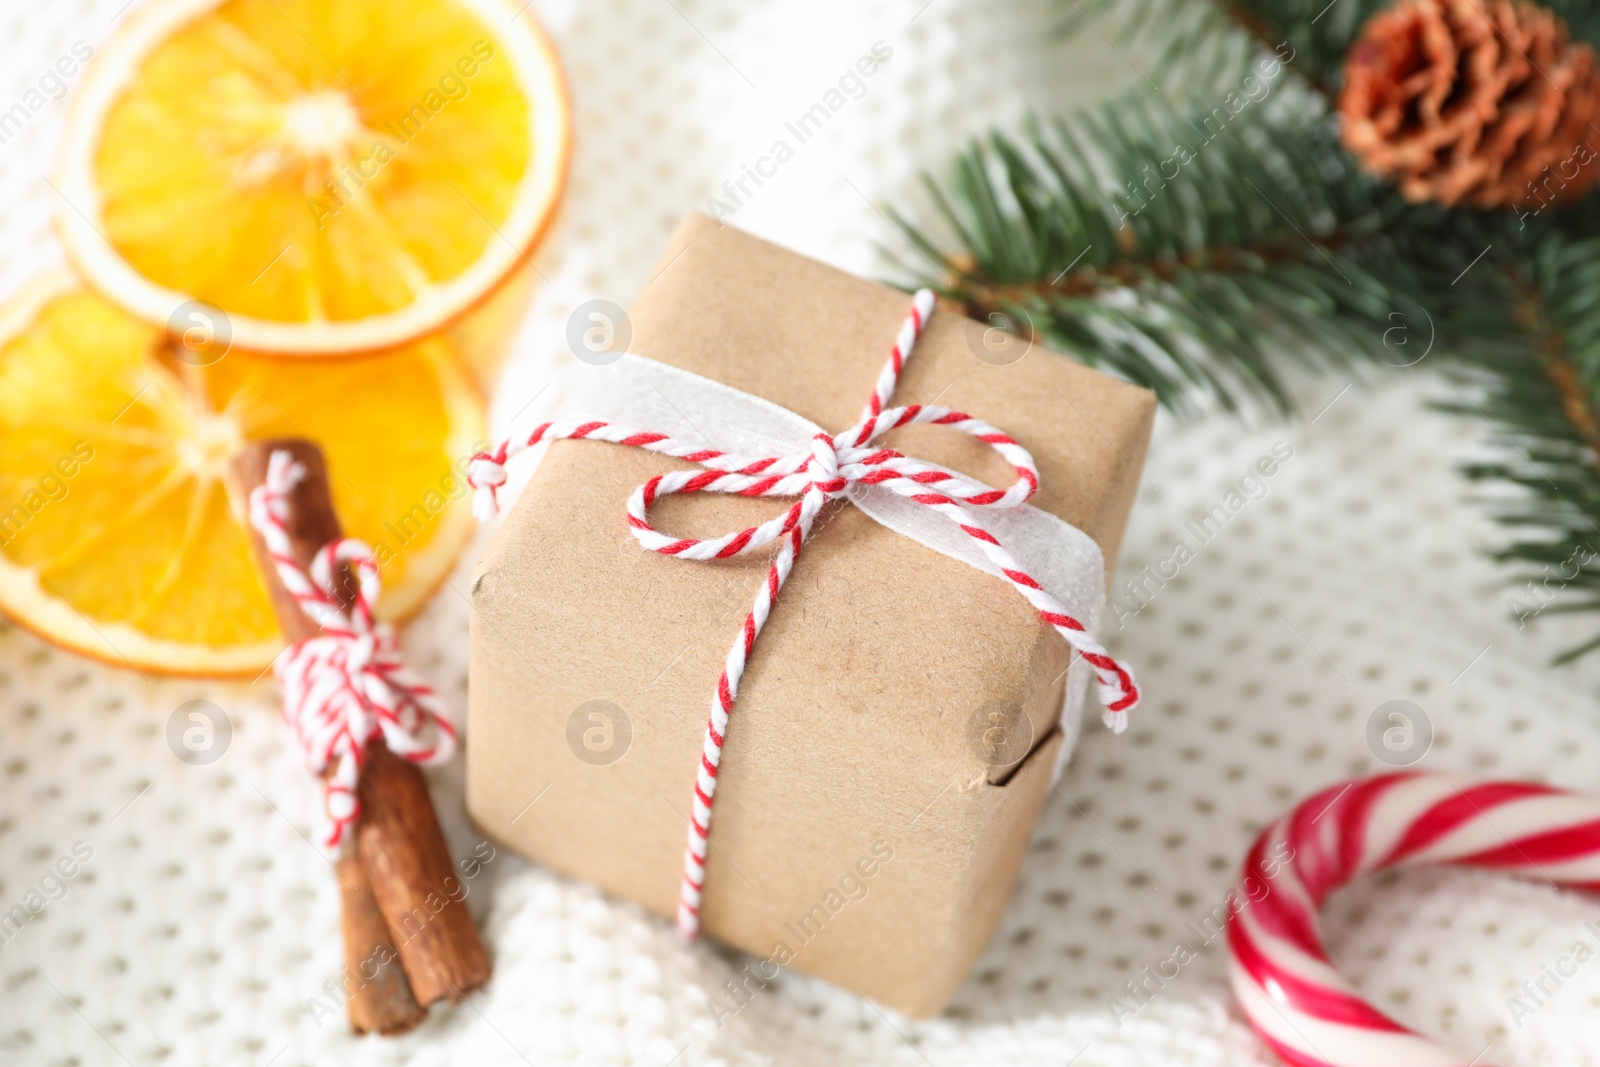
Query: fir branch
(1187, 254)
(1188, 282)
(1539, 392)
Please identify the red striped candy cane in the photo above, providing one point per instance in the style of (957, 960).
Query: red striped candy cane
(826, 471)
(348, 685)
(1305, 1009)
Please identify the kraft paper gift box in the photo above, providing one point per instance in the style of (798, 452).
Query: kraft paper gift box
(868, 827)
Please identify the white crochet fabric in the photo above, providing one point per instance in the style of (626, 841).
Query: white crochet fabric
(204, 921)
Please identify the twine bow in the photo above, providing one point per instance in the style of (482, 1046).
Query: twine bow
(348, 685)
(833, 465)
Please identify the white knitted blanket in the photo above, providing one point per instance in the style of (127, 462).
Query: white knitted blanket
(203, 926)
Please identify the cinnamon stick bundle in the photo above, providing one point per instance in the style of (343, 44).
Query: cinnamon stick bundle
(403, 926)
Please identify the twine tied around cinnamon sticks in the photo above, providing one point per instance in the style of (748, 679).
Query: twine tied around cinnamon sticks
(347, 685)
(365, 724)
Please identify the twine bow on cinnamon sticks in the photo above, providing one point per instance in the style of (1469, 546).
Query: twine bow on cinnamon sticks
(365, 724)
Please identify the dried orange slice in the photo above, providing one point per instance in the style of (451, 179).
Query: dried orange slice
(335, 175)
(121, 520)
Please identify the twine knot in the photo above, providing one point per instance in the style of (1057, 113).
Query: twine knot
(825, 465)
(486, 474)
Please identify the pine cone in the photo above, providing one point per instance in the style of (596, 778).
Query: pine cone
(1479, 102)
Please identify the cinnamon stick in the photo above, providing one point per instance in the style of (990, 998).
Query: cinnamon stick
(414, 882)
(398, 868)
(381, 1000)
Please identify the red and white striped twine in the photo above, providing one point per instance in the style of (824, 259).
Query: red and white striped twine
(827, 471)
(348, 685)
(1306, 1010)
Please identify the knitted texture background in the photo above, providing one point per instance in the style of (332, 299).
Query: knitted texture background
(202, 929)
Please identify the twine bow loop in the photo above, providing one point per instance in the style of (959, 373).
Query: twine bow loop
(348, 685)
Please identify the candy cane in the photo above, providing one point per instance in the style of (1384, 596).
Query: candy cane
(1305, 1009)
